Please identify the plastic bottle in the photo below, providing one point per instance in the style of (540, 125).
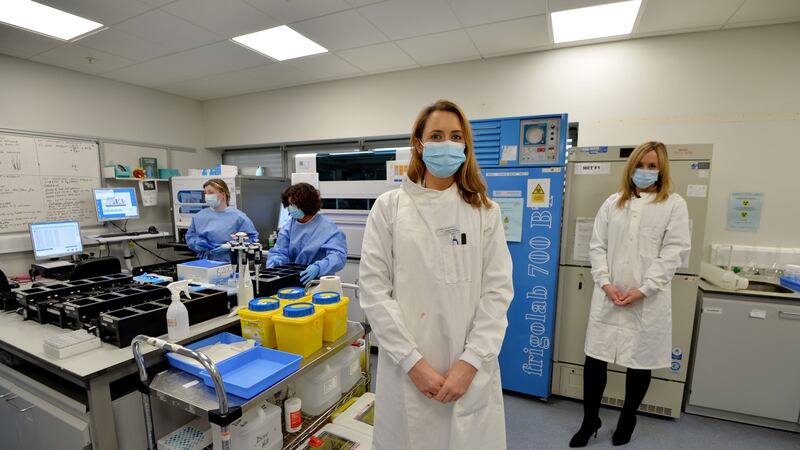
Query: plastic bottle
(177, 314)
(292, 416)
(271, 241)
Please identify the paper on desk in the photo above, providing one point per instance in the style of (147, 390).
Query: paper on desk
(218, 352)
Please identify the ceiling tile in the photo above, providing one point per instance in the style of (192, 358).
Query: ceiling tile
(24, 44)
(511, 36)
(479, 12)
(229, 18)
(172, 33)
(357, 3)
(196, 63)
(564, 5)
(378, 58)
(257, 79)
(324, 67)
(75, 57)
(669, 15)
(401, 19)
(440, 48)
(123, 44)
(339, 31)
(767, 11)
(158, 2)
(287, 11)
(107, 12)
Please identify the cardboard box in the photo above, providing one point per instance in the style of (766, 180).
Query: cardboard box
(205, 271)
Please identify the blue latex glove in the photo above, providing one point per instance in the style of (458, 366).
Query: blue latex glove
(309, 274)
(270, 265)
(219, 253)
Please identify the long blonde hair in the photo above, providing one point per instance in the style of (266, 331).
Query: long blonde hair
(470, 183)
(664, 182)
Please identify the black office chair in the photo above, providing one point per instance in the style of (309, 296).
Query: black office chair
(4, 286)
(96, 267)
(8, 301)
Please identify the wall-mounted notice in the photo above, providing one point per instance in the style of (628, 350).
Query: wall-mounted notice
(744, 211)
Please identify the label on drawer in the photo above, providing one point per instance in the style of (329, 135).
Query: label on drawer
(758, 314)
(709, 310)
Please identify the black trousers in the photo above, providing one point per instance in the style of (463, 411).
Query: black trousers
(637, 381)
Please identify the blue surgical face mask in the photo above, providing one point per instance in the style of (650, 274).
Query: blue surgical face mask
(643, 179)
(443, 159)
(295, 212)
(212, 200)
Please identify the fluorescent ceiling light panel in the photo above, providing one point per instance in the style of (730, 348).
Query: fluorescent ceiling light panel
(45, 20)
(280, 43)
(613, 19)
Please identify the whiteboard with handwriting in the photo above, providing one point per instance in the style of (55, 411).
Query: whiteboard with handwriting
(46, 180)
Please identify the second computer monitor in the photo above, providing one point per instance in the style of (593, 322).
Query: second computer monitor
(55, 239)
(116, 204)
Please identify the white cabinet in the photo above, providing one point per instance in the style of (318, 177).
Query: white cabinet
(8, 418)
(29, 422)
(747, 359)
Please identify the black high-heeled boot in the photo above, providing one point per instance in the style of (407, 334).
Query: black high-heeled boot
(594, 383)
(581, 438)
(625, 426)
(637, 381)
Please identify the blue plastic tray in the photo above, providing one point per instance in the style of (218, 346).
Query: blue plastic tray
(252, 371)
(225, 338)
(791, 283)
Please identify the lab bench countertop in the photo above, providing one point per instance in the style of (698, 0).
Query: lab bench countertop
(705, 286)
(25, 338)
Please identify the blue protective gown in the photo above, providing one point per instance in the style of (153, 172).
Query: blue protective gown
(210, 229)
(318, 241)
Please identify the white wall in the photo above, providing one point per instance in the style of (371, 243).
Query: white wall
(41, 98)
(737, 89)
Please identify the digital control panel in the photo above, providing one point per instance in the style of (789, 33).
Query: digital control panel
(539, 140)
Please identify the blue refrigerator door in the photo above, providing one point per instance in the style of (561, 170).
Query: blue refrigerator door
(531, 202)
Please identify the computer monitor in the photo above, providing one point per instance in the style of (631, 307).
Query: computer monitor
(116, 204)
(55, 239)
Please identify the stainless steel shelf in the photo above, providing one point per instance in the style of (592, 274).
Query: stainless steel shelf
(312, 424)
(190, 394)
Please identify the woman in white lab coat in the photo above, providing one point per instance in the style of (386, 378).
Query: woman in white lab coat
(436, 283)
(640, 237)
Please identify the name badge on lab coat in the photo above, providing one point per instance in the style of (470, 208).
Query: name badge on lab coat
(450, 234)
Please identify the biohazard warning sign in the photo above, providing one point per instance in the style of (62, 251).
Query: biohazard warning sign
(538, 193)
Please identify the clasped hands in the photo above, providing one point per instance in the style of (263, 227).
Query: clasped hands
(444, 389)
(622, 299)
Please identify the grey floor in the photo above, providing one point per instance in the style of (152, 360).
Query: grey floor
(534, 424)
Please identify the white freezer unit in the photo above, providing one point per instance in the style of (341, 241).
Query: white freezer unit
(594, 173)
(349, 183)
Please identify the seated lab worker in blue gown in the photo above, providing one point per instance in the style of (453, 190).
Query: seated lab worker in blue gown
(213, 226)
(308, 238)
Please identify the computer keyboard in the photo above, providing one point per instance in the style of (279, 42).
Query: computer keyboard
(130, 233)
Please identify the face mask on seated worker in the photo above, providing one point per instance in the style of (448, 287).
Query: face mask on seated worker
(212, 200)
(295, 212)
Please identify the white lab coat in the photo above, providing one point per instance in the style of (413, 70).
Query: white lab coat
(428, 298)
(637, 247)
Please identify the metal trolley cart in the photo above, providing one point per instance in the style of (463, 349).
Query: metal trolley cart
(184, 391)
